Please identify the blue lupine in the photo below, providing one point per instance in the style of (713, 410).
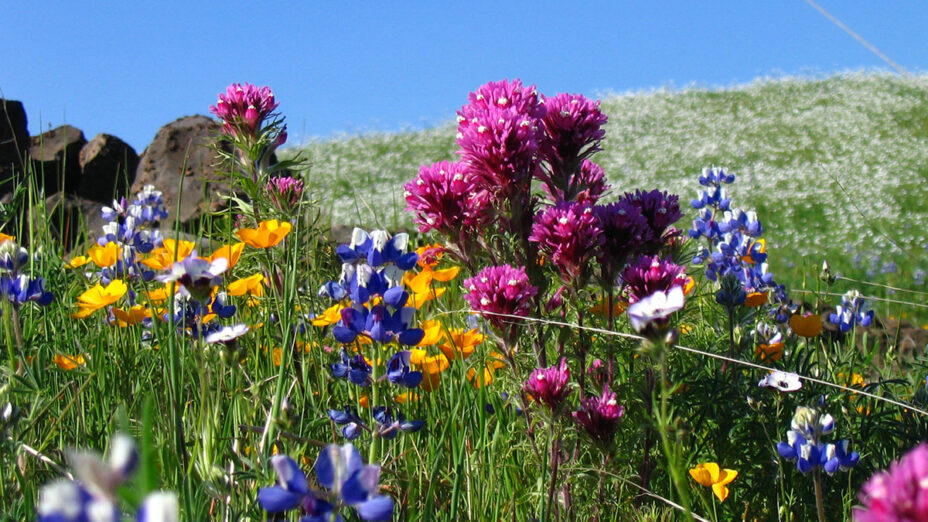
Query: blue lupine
(341, 471)
(400, 372)
(355, 369)
(350, 420)
(21, 289)
(804, 443)
(852, 311)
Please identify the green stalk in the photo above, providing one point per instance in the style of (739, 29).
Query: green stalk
(670, 451)
(819, 497)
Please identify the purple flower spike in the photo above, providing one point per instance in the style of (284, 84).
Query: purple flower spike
(624, 231)
(600, 416)
(661, 210)
(574, 125)
(445, 197)
(500, 290)
(243, 108)
(569, 234)
(549, 386)
(650, 274)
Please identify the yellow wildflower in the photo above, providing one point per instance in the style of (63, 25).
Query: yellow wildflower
(709, 474)
(268, 233)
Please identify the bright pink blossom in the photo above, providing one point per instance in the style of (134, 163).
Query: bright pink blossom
(549, 386)
(584, 186)
(243, 108)
(898, 494)
(624, 229)
(285, 192)
(600, 416)
(650, 274)
(500, 132)
(569, 235)
(574, 126)
(445, 197)
(500, 290)
(661, 210)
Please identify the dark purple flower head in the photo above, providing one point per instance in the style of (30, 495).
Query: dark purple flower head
(583, 186)
(549, 386)
(899, 493)
(574, 126)
(445, 197)
(660, 210)
(650, 274)
(624, 230)
(500, 290)
(500, 132)
(243, 108)
(600, 416)
(569, 235)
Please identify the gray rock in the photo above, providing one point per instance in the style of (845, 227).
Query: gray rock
(108, 167)
(55, 157)
(14, 142)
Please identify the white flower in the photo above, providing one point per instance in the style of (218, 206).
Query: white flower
(227, 334)
(783, 381)
(658, 305)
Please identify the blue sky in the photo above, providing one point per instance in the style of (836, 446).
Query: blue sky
(126, 68)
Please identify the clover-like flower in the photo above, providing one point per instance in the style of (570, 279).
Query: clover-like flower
(650, 274)
(549, 386)
(445, 197)
(569, 234)
(897, 494)
(574, 126)
(600, 416)
(243, 108)
(500, 290)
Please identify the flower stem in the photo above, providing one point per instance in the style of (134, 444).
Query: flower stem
(372, 403)
(819, 500)
(555, 458)
(670, 450)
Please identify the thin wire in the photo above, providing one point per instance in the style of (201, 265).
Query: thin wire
(870, 297)
(881, 285)
(859, 39)
(706, 354)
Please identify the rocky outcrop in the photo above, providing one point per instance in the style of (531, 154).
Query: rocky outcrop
(55, 157)
(108, 167)
(183, 164)
(14, 142)
(68, 215)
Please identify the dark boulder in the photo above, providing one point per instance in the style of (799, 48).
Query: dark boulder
(55, 157)
(68, 215)
(14, 142)
(184, 152)
(108, 167)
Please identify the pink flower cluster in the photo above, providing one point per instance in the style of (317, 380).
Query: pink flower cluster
(898, 494)
(583, 186)
(569, 235)
(574, 126)
(243, 108)
(624, 228)
(500, 290)
(285, 192)
(445, 197)
(600, 416)
(549, 386)
(651, 274)
(661, 210)
(500, 133)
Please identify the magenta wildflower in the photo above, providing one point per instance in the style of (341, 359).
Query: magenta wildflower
(661, 210)
(650, 274)
(445, 197)
(600, 416)
(285, 192)
(569, 235)
(584, 186)
(549, 386)
(574, 126)
(500, 132)
(899, 493)
(243, 107)
(500, 290)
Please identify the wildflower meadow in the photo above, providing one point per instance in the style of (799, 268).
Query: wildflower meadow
(542, 342)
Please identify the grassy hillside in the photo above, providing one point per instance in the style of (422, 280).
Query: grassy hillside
(834, 166)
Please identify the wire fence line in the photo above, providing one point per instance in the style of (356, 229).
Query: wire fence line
(808, 378)
(870, 283)
(869, 297)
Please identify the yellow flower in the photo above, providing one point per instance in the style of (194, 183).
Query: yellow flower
(331, 315)
(600, 308)
(461, 343)
(403, 398)
(166, 255)
(755, 299)
(6, 237)
(230, 252)
(160, 294)
(761, 249)
(430, 255)
(433, 333)
(251, 285)
(104, 256)
(69, 362)
(268, 233)
(772, 352)
(806, 325)
(494, 363)
(132, 316)
(78, 261)
(99, 297)
(708, 474)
